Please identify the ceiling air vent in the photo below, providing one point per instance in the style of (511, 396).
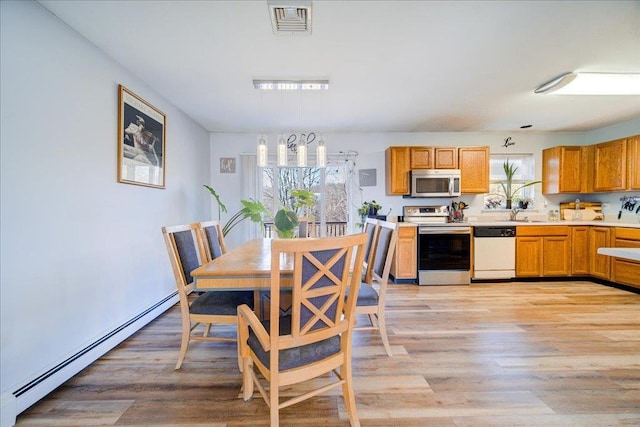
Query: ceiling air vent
(290, 18)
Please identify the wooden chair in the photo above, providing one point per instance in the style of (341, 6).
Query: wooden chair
(371, 229)
(370, 301)
(212, 239)
(316, 338)
(186, 253)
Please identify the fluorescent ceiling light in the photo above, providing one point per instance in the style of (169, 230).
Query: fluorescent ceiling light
(592, 84)
(291, 84)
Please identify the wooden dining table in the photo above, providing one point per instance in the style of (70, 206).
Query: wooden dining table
(247, 266)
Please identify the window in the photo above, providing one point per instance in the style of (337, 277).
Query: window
(330, 185)
(496, 199)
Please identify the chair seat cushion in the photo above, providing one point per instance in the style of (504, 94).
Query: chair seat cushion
(294, 357)
(221, 302)
(367, 295)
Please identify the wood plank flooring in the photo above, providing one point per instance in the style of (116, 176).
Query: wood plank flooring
(503, 354)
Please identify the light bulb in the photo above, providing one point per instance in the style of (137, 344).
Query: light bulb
(262, 151)
(321, 153)
(302, 151)
(282, 151)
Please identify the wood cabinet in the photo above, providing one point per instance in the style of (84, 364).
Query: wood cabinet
(586, 172)
(599, 265)
(580, 250)
(562, 170)
(633, 163)
(543, 251)
(610, 165)
(421, 157)
(445, 158)
(626, 271)
(398, 165)
(404, 265)
(474, 169)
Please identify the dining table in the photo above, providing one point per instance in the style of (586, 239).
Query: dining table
(247, 266)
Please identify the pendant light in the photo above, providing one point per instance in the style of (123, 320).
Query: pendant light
(282, 142)
(302, 151)
(321, 153)
(262, 151)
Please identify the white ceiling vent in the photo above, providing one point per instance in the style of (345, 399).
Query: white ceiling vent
(290, 18)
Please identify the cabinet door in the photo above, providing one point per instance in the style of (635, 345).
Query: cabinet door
(421, 157)
(397, 162)
(445, 158)
(580, 251)
(474, 169)
(556, 251)
(561, 170)
(600, 265)
(528, 256)
(405, 259)
(610, 173)
(633, 163)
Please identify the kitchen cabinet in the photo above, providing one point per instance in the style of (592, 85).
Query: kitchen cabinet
(421, 157)
(610, 166)
(623, 270)
(633, 163)
(580, 250)
(398, 165)
(586, 172)
(445, 158)
(543, 251)
(404, 266)
(561, 169)
(474, 169)
(599, 265)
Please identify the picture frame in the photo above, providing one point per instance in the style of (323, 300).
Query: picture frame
(141, 141)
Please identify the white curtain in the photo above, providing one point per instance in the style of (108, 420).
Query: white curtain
(250, 190)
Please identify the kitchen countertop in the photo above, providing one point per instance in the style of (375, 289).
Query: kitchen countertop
(506, 223)
(627, 253)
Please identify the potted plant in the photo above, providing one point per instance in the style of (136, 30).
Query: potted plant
(368, 208)
(251, 209)
(510, 171)
(286, 219)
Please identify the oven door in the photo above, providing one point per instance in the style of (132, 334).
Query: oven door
(444, 255)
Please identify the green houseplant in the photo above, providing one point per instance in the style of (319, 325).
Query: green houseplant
(286, 219)
(251, 209)
(510, 170)
(367, 208)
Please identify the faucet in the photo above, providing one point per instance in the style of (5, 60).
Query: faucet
(514, 213)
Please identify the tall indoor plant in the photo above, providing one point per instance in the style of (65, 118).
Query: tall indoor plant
(251, 209)
(510, 170)
(286, 219)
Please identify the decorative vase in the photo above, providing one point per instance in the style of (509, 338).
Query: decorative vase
(508, 203)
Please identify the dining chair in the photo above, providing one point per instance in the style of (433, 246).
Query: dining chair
(371, 301)
(371, 229)
(212, 239)
(186, 253)
(315, 339)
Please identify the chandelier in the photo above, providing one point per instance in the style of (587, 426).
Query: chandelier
(298, 144)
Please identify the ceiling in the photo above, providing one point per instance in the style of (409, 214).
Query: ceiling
(393, 66)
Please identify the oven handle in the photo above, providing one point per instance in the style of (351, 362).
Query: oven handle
(444, 230)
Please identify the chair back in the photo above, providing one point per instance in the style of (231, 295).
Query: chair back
(321, 276)
(212, 239)
(185, 252)
(385, 246)
(371, 229)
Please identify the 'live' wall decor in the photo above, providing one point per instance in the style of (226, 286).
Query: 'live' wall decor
(141, 141)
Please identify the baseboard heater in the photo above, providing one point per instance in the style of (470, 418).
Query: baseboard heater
(44, 384)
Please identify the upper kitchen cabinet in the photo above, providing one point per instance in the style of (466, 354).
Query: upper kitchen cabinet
(398, 165)
(421, 157)
(474, 169)
(561, 170)
(610, 166)
(633, 163)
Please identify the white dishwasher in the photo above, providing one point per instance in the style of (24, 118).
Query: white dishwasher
(494, 252)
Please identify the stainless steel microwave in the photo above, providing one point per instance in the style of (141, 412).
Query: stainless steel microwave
(435, 183)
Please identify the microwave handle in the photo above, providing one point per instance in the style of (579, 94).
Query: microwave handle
(451, 186)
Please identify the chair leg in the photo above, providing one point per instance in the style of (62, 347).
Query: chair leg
(247, 379)
(373, 320)
(207, 328)
(382, 327)
(274, 403)
(186, 334)
(348, 394)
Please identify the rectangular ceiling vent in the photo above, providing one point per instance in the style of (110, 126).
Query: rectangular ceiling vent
(290, 18)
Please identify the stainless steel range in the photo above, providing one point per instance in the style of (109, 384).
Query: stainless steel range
(444, 249)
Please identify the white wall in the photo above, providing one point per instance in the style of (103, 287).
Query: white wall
(80, 253)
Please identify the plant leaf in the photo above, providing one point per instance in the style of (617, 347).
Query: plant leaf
(218, 201)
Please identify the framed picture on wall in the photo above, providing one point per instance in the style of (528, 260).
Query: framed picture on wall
(141, 141)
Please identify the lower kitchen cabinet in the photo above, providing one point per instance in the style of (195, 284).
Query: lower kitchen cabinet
(405, 259)
(580, 250)
(543, 251)
(600, 265)
(623, 270)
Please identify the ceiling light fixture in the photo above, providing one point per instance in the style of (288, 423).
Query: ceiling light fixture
(291, 84)
(592, 84)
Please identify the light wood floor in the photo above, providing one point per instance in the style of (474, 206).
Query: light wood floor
(506, 354)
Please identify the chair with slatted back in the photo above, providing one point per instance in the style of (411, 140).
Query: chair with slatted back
(371, 228)
(371, 301)
(186, 252)
(315, 339)
(213, 240)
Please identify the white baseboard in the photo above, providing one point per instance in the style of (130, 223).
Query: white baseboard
(7, 410)
(32, 392)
